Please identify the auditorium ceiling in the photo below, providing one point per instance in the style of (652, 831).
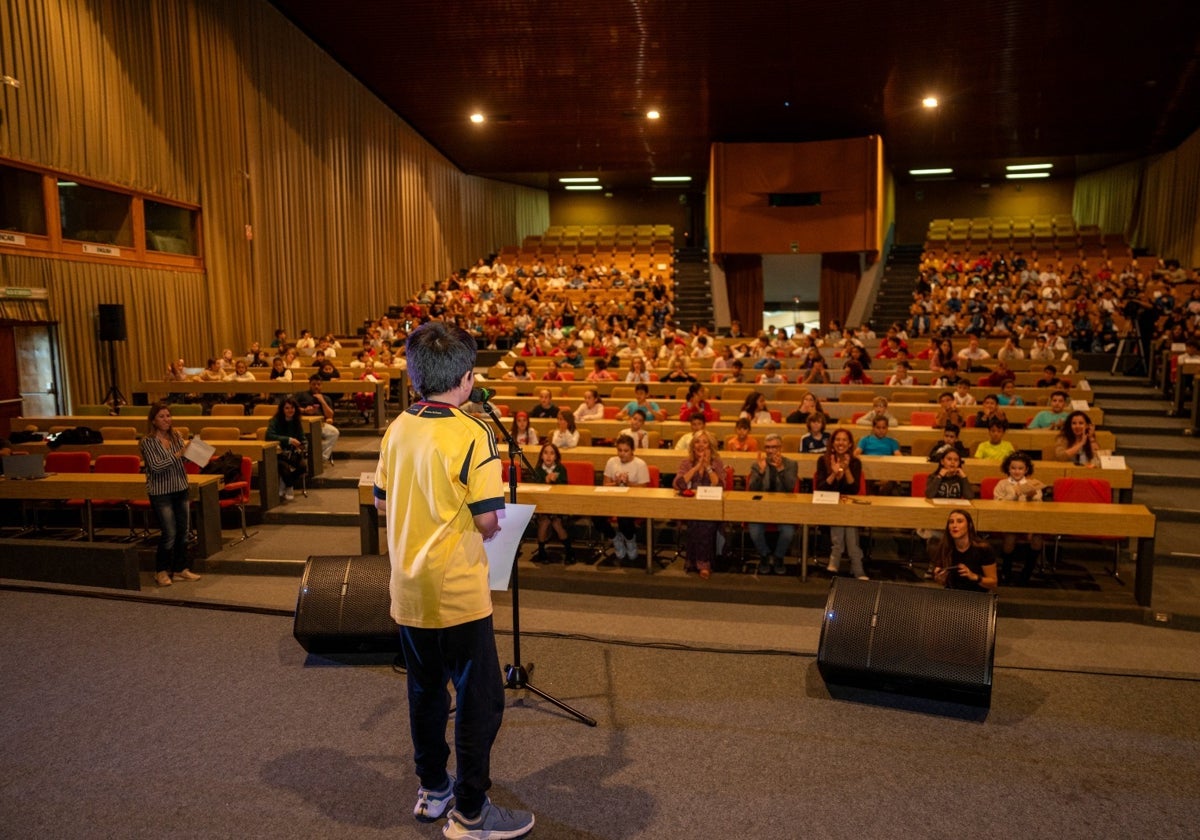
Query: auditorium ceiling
(565, 87)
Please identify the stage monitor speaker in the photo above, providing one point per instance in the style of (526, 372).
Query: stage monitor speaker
(344, 605)
(112, 322)
(907, 639)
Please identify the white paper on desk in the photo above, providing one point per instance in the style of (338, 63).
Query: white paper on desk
(502, 549)
(713, 492)
(535, 488)
(952, 502)
(199, 452)
(826, 497)
(1079, 405)
(612, 488)
(366, 479)
(1112, 462)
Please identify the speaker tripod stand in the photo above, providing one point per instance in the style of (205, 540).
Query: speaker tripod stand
(114, 397)
(516, 676)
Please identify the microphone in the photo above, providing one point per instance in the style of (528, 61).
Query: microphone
(481, 395)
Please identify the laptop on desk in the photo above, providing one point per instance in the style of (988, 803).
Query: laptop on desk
(23, 466)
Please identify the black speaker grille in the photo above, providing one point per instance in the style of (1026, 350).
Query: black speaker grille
(344, 604)
(933, 634)
(915, 639)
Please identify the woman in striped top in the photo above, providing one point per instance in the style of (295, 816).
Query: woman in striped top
(167, 486)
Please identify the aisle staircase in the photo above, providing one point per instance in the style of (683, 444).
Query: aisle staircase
(895, 290)
(693, 289)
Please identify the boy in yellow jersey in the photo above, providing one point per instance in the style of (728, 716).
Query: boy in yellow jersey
(439, 481)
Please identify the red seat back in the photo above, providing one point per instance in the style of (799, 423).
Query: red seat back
(580, 472)
(68, 462)
(987, 487)
(112, 464)
(919, 482)
(1085, 490)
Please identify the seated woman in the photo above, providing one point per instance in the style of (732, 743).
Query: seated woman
(1076, 441)
(637, 371)
(1019, 485)
(701, 468)
(754, 408)
(600, 371)
(678, 373)
(840, 471)
(962, 559)
(592, 407)
(522, 432)
(565, 436)
(550, 470)
(854, 375)
(285, 429)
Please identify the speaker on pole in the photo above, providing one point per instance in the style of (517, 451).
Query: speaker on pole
(344, 605)
(112, 322)
(937, 643)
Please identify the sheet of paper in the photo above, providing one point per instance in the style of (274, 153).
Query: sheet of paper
(612, 489)
(535, 488)
(826, 497)
(952, 502)
(502, 548)
(198, 452)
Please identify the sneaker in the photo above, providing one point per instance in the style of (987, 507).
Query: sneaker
(765, 566)
(863, 577)
(619, 546)
(493, 823)
(283, 491)
(433, 804)
(779, 567)
(631, 548)
(832, 568)
(291, 494)
(187, 574)
(162, 579)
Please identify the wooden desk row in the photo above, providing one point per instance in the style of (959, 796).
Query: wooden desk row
(774, 393)
(1029, 440)
(264, 454)
(202, 489)
(1134, 521)
(1018, 415)
(877, 468)
(134, 416)
(155, 389)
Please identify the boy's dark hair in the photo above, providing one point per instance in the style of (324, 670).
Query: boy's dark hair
(997, 423)
(439, 355)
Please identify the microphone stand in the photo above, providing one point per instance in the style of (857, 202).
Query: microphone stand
(516, 676)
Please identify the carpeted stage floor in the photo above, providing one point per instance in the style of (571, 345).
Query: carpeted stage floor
(144, 720)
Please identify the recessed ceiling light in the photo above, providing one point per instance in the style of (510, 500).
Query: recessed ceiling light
(671, 179)
(584, 187)
(1012, 176)
(944, 171)
(1025, 167)
(578, 180)
(652, 114)
(930, 102)
(477, 118)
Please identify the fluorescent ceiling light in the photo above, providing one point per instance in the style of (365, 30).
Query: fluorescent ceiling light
(945, 171)
(578, 180)
(1012, 176)
(1025, 167)
(670, 179)
(584, 187)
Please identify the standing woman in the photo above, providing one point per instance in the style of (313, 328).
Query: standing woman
(701, 468)
(839, 471)
(167, 486)
(963, 559)
(285, 429)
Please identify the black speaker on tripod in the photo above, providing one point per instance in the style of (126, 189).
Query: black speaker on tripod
(344, 605)
(936, 643)
(112, 322)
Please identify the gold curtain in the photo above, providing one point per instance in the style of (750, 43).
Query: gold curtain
(1155, 202)
(320, 206)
